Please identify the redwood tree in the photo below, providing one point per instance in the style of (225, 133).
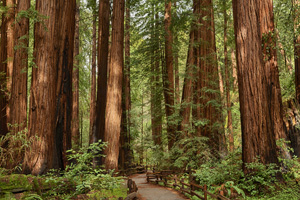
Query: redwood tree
(114, 90)
(51, 90)
(168, 74)
(258, 136)
(3, 70)
(6, 63)
(93, 84)
(103, 36)
(75, 81)
(208, 81)
(18, 102)
(296, 4)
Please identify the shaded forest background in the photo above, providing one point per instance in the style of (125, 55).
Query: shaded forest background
(172, 84)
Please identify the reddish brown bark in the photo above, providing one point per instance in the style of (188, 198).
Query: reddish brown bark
(93, 87)
(51, 90)
(114, 91)
(296, 4)
(3, 72)
(227, 83)
(208, 78)
(125, 152)
(169, 75)
(6, 68)
(75, 81)
(10, 51)
(103, 35)
(187, 93)
(272, 74)
(258, 136)
(18, 102)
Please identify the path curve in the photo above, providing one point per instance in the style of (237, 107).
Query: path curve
(148, 191)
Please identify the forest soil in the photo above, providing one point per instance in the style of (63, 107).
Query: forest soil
(148, 191)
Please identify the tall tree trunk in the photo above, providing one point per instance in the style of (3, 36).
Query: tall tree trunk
(114, 91)
(51, 90)
(209, 78)
(75, 81)
(157, 86)
(126, 157)
(6, 62)
(169, 74)
(18, 102)
(3, 75)
(187, 93)
(258, 136)
(269, 38)
(93, 87)
(227, 82)
(296, 5)
(10, 51)
(103, 36)
(176, 62)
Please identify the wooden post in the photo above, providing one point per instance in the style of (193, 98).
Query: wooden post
(205, 192)
(175, 179)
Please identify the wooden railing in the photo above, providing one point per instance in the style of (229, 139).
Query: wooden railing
(190, 188)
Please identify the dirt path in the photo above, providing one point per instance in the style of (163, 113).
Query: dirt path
(148, 191)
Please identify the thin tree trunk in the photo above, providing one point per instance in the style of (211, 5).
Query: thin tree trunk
(103, 36)
(75, 81)
(234, 70)
(93, 87)
(258, 137)
(158, 86)
(114, 91)
(169, 74)
(51, 90)
(227, 82)
(125, 153)
(176, 63)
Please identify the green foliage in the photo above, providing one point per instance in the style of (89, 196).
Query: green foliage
(13, 147)
(261, 178)
(216, 173)
(190, 152)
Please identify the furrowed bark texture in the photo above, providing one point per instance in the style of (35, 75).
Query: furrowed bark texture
(93, 87)
(114, 91)
(227, 83)
(271, 67)
(3, 72)
(187, 92)
(125, 152)
(297, 47)
(103, 36)
(10, 52)
(209, 81)
(6, 63)
(18, 102)
(258, 137)
(51, 90)
(169, 75)
(75, 81)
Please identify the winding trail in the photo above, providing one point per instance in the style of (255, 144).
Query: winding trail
(147, 191)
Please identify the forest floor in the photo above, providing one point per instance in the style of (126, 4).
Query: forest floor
(148, 191)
